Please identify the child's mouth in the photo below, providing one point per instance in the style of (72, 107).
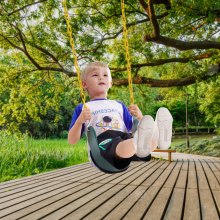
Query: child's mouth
(101, 83)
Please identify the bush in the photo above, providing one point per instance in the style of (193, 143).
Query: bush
(203, 147)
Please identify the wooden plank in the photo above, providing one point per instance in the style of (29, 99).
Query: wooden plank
(121, 209)
(138, 210)
(158, 207)
(215, 170)
(183, 176)
(93, 204)
(136, 173)
(103, 197)
(36, 203)
(13, 201)
(119, 199)
(42, 184)
(157, 180)
(176, 203)
(147, 172)
(216, 184)
(217, 199)
(49, 174)
(152, 190)
(192, 179)
(25, 190)
(105, 207)
(124, 175)
(164, 175)
(211, 178)
(66, 204)
(87, 201)
(56, 177)
(159, 171)
(207, 205)
(192, 206)
(106, 178)
(217, 164)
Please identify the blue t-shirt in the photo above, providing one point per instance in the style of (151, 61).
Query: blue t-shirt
(106, 115)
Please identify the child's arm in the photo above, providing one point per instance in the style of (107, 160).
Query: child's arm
(75, 132)
(135, 111)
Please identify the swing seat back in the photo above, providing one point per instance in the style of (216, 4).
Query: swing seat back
(95, 154)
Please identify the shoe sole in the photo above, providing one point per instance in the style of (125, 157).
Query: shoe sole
(145, 132)
(164, 121)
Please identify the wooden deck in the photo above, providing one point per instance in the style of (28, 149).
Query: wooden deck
(182, 189)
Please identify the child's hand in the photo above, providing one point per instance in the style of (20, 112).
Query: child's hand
(135, 111)
(85, 115)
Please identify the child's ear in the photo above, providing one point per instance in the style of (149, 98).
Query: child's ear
(84, 84)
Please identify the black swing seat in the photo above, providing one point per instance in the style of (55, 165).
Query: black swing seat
(96, 157)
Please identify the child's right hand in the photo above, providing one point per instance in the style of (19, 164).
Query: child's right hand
(85, 115)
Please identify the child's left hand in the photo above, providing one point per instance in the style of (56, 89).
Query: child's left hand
(135, 111)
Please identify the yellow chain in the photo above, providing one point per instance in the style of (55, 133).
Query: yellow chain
(125, 33)
(128, 58)
(69, 31)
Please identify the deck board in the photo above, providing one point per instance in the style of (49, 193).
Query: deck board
(182, 189)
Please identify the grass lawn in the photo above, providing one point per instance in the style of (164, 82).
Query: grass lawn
(24, 156)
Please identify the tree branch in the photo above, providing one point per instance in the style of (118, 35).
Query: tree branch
(69, 73)
(169, 60)
(153, 19)
(183, 45)
(26, 6)
(170, 82)
(144, 5)
(48, 54)
(170, 42)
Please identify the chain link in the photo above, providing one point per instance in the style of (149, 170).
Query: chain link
(126, 43)
(69, 31)
(128, 58)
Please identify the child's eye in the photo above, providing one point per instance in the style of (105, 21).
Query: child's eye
(94, 74)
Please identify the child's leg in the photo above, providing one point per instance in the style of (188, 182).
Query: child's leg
(117, 148)
(126, 148)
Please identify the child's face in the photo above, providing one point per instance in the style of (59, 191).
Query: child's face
(97, 82)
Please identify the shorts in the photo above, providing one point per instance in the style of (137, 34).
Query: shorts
(108, 142)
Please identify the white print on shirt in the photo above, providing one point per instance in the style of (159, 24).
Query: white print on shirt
(108, 123)
(104, 111)
(106, 115)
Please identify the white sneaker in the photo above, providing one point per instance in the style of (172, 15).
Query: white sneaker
(164, 121)
(143, 136)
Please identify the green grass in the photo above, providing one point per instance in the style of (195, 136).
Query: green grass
(24, 156)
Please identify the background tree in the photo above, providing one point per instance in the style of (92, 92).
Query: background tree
(171, 44)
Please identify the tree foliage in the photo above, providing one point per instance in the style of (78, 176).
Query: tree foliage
(172, 44)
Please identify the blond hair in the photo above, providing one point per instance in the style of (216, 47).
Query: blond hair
(91, 66)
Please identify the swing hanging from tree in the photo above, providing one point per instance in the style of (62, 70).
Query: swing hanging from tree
(91, 135)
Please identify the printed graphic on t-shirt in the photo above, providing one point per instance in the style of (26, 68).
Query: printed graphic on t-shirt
(108, 122)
